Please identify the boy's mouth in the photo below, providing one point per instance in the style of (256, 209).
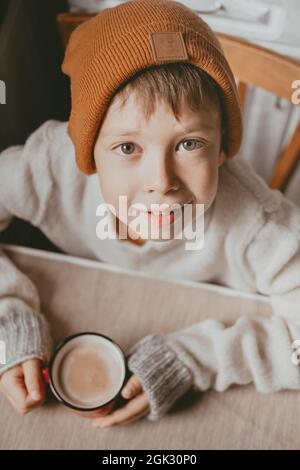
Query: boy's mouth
(173, 209)
(162, 218)
(166, 216)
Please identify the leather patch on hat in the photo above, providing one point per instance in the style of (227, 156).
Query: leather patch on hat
(168, 46)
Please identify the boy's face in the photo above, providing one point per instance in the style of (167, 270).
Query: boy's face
(160, 160)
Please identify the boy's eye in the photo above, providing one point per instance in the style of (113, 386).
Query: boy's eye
(191, 144)
(127, 148)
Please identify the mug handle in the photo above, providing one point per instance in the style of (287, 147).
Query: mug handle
(45, 373)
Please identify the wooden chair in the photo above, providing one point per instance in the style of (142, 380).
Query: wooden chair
(257, 66)
(252, 65)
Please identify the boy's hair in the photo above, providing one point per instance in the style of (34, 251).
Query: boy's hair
(174, 82)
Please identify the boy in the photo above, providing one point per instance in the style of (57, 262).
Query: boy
(148, 78)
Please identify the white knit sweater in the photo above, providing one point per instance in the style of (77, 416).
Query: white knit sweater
(252, 243)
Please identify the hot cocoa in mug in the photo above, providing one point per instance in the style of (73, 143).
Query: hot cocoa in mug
(87, 372)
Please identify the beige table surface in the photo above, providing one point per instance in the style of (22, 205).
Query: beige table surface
(78, 295)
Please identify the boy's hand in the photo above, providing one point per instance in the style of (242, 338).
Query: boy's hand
(136, 407)
(24, 386)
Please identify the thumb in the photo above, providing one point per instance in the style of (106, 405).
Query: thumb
(34, 380)
(132, 387)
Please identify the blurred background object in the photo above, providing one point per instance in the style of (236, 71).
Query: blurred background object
(36, 90)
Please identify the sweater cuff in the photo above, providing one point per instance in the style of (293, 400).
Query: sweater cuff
(25, 335)
(164, 377)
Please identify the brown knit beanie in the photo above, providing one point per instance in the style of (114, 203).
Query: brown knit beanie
(118, 42)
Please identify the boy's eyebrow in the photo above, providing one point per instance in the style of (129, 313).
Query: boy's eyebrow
(125, 132)
(117, 132)
(201, 126)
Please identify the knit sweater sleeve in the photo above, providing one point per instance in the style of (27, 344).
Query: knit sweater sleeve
(258, 350)
(24, 329)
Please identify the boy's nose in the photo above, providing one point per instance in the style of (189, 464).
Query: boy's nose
(160, 177)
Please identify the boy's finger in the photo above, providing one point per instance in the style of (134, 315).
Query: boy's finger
(132, 387)
(135, 417)
(34, 380)
(106, 423)
(133, 408)
(14, 389)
